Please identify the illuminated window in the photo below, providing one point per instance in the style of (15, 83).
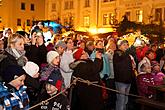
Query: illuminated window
(105, 19)
(65, 21)
(86, 20)
(53, 7)
(105, 0)
(128, 14)
(22, 6)
(71, 5)
(28, 22)
(139, 15)
(108, 0)
(87, 3)
(32, 7)
(18, 22)
(164, 14)
(0, 19)
(158, 14)
(0, 2)
(66, 5)
(111, 18)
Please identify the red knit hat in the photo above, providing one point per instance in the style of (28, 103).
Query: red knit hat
(78, 54)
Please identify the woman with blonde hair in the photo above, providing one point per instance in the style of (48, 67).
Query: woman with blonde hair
(14, 54)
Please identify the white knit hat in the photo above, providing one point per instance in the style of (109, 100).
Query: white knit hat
(51, 55)
(31, 68)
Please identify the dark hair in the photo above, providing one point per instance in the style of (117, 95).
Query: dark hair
(67, 39)
(148, 52)
(97, 41)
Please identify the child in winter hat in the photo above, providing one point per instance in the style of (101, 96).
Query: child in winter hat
(53, 60)
(53, 86)
(13, 92)
(31, 69)
(51, 55)
(156, 72)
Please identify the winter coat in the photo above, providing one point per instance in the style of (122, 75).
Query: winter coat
(59, 102)
(37, 54)
(66, 72)
(33, 88)
(12, 99)
(106, 64)
(123, 69)
(49, 69)
(9, 58)
(84, 96)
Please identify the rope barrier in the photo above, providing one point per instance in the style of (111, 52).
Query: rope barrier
(88, 83)
(41, 103)
(119, 92)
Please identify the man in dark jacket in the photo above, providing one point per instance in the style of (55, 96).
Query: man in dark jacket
(123, 72)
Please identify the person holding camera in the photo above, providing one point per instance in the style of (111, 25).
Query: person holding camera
(37, 50)
(88, 70)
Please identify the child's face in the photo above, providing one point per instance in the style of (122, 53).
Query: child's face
(157, 68)
(151, 56)
(36, 75)
(18, 82)
(60, 50)
(51, 89)
(56, 61)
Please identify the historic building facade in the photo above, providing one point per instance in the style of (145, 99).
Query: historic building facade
(20, 14)
(102, 15)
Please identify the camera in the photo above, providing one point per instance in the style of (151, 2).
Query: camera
(100, 50)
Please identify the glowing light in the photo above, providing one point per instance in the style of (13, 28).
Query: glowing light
(93, 31)
(19, 28)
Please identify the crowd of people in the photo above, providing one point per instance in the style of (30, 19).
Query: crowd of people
(33, 70)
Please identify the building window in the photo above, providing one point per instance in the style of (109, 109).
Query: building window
(18, 22)
(22, 6)
(71, 5)
(32, 7)
(105, 19)
(87, 3)
(53, 7)
(111, 18)
(108, 0)
(28, 22)
(0, 19)
(105, 0)
(128, 14)
(86, 21)
(139, 15)
(66, 5)
(158, 14)
(0, 2)
(65, 21)
(164, 14)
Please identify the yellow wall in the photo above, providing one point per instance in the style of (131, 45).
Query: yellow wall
(11, 11)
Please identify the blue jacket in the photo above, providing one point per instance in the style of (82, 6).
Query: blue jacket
(106, 64)
(12, 99)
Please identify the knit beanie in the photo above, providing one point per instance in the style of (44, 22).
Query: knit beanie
(154, 63)
(12, 72)
(60, 43)
(31, 68)
(55, 79)
(51, 55)
(78, 54)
